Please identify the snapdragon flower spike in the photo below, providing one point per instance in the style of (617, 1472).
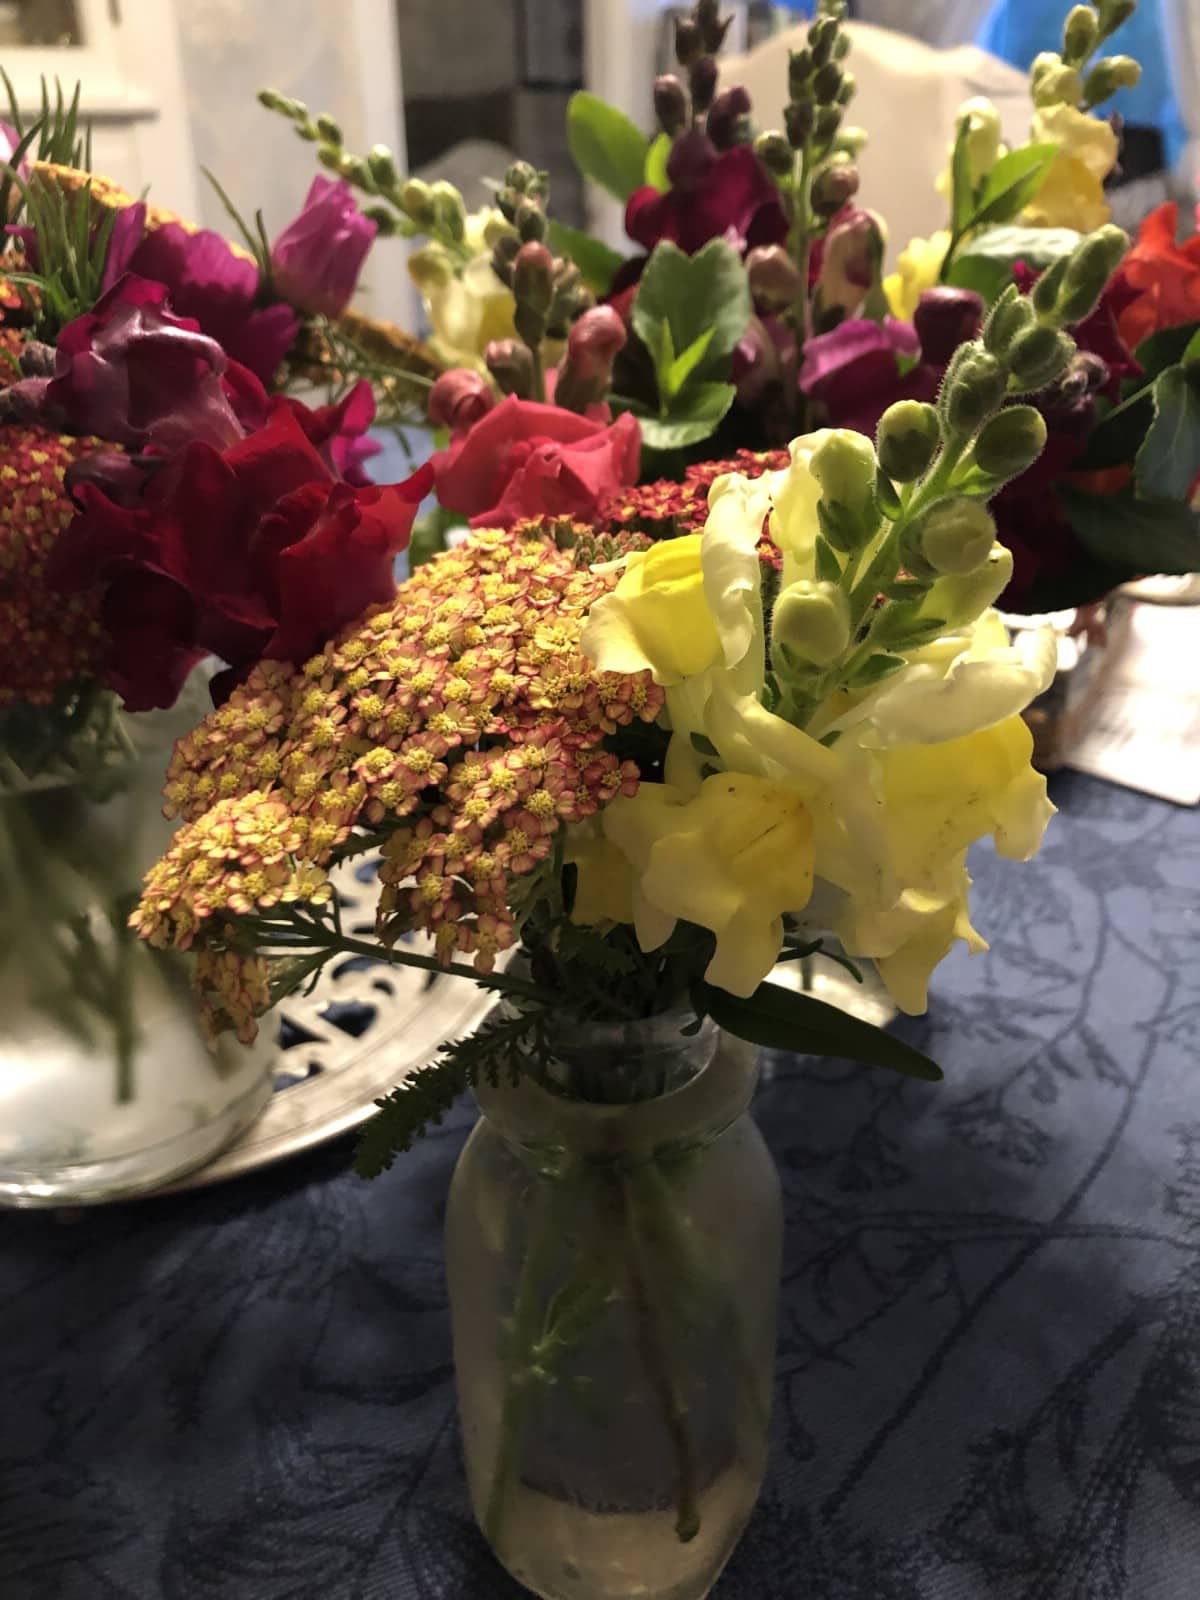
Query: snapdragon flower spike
(458, 727)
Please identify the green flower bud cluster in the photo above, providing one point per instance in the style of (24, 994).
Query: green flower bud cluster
(819, 85)
(404, 206)
(1066, 78)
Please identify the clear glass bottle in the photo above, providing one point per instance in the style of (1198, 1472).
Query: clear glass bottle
(108, 1085)
(613, 1275)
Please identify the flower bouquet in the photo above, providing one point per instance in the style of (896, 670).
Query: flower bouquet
(163, 498)
(705, 684)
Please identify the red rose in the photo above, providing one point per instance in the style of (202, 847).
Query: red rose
(1164, 277)
(262, 551)
(524, 459)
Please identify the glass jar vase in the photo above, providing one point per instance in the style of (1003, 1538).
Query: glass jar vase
(613, 1273)
(108, 1084)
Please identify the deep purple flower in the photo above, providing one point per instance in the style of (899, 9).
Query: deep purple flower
(131, 372)
(317, 258)
(205, 278)
(859, 369)
(713, 195)
(944, 319)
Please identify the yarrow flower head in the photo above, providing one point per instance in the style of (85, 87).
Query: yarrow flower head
(459, 728)
(48, 640)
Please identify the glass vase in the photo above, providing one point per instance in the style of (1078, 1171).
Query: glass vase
(108, 1084)
(613, 1273)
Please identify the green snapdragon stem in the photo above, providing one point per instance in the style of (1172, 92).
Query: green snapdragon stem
(652, 1335)
(514, 1415)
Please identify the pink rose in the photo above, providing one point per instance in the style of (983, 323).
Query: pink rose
(524, 459)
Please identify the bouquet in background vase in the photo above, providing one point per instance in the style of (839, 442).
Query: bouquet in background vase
(163, 501)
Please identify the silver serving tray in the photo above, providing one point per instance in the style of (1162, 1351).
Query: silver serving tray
(361, 1030)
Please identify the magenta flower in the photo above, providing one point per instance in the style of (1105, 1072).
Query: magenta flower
(714, 195)
(317, 258)
(856, 371)
(206, 278)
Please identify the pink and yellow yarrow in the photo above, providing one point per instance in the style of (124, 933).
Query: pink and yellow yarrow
(460, 728)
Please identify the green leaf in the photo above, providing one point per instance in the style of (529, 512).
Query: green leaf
(1013, 182)
(605, 145)
(1166, 348)
(783, 1019)
(828, 567)
(695, 417)
(985, 263)
(677, 372)
(655, 173)
(1118, 435)
(595, 260)
(883, 664)
(705, 293)
(1168, 462)
(1191, 356)
(1134, 535)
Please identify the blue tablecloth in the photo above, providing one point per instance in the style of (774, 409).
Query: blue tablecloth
(989, 1364)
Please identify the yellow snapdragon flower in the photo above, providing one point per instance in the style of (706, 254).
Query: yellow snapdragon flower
(469, 307)
(918, 268)
(1072, 195)
(876, 799)
(732, 859)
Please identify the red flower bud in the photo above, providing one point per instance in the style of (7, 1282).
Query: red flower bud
(511, 364)
(775, 280)
(728, 118)
(946, 318)
(533, 276)
(458, 399)
(595, 340)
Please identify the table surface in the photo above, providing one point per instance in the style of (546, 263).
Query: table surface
(988, 1380)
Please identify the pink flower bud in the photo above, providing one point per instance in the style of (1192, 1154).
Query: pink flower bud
(458, 399)
(511, 364)
(594, 342)
(533, 276)
(775, 280)
(852, 259)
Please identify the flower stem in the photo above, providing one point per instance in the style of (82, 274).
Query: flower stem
(526, 1327)
(652, 1334)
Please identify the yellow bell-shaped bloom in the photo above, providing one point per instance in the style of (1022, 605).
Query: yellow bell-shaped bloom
(918, 268)
(733, 859)
(604, 878)
(657, 617)
(1072, 193)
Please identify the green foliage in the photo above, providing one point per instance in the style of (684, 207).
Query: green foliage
(694, 417)
(985, 262)
(657, 156)
(694, 296)
(690, 313)
(596, 262)
(785, 1019)
(1169, 458)
(504, 1042)
(1012, 184)
(1133, 535)
(605, 145)
(72, 250)
(55, 128)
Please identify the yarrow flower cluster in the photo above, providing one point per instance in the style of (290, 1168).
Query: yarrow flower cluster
(48, 640)
(459, 727)
(665, 507)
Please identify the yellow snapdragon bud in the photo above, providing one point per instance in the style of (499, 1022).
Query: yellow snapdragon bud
(812, 621)
(959, 598)
(430, 268)
(908, 438)
(955, 536)
(982, 123)
(844, 465)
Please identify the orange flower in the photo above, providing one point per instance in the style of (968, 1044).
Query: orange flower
(1163, 275)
